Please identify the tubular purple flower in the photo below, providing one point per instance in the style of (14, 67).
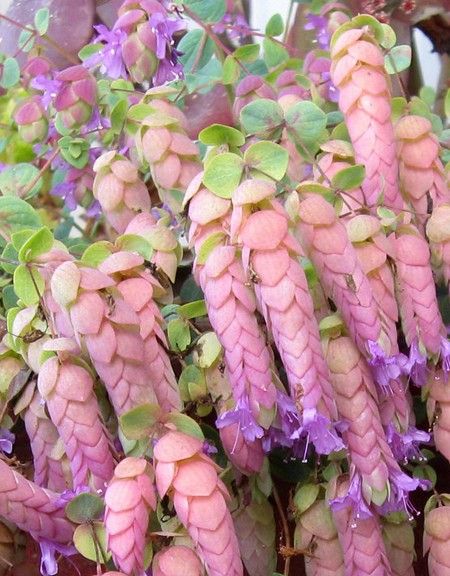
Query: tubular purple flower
(48, 86)
(385, 368)
(405, 447)
(241, 415)
(6, 441)
(110, 56)
(416, 366)
(320, 431)
(49, 565)
(320, 25)
(164, 29)
(445, 357)
(354, 499)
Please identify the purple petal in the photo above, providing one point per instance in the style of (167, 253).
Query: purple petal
(385, 368)
(405, 447)
(49, 566)
(242, 416)
(6, 441)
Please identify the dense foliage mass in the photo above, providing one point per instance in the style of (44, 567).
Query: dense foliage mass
(224, 275)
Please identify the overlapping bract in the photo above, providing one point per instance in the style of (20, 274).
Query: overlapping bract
(436, 540)
(129, 498)
(200, 498)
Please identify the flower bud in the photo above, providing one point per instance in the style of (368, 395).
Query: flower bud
(76, 97)
(31, 120)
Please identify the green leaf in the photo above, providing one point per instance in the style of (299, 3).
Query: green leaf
(28, 284)
(190, 46)
(218, 134)
(207, 10)
(42, 20)
(90, 541)
(398, 106)
(447, 104)
(306, 122)
(119, 115)
(96, 253)
(16, 214)
(194, 309)
(179, 334)
(26, 40)
(137, 423)
(247, 53)
(274, 53)
(89, 50)
(192, 383)
(74, 150)
(267, 157)
(135, 243)
(223, 174)
(84, 508)
(428, 95)
(39, 243)
(208, 246)
(275, 25)
(10, 74)
(389, 37)
(230, 70)
(398, 59)
(185, 424)
(305, 497)
(263, 118)
(17, 177)
(207, 350)
(9, 297)
(349, 178)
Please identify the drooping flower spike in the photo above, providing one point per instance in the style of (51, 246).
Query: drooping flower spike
(436, 542)
(270, 253)
(190, 478)
(358, 72)
(129, 499)
(75, 413)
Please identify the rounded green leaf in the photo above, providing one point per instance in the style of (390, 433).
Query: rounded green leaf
(274, 53)
(185, 424)
(42, 20)
(119, 115)
(275, 25)
(90, 541)
(306, 122)
(218, 134)
(11, 73)
(305, 497)
(137, 423)
(207, 350)
(262, 117)
(247, 53)
(349, 178)
(178, 334)
(28, 284)
(190, 45)
(16, 178)
(96, 253)
(135, 243)
(223, 174)
(230, 70)
(85, 507)
(398, 59)
(207, 10)
(194, 309)
(39, 243)
(389, 37)
(267, 157)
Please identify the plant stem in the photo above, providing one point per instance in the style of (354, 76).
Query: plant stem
(285, 526)
(33, 183)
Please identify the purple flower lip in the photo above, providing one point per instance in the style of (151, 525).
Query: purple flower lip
(405, 446)
(109, 58)
(49, 566)
(6, 441)
(385, 368)
(445, 357)
(416, 365)
(242, 416)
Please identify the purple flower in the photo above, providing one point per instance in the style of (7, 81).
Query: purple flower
(385, 368)
(49, 87)
(320, 432)
(401, 486)
(110, 56)
(235, 25)
(164, 29)
(168, 69)
(445, 356)
(208, 448)
(242, 416)
(320, 25)
(49, 566)
(66, 191)
(405, 447)
(416, 366)
(68, 495)
(6, 441)
(353, 499)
